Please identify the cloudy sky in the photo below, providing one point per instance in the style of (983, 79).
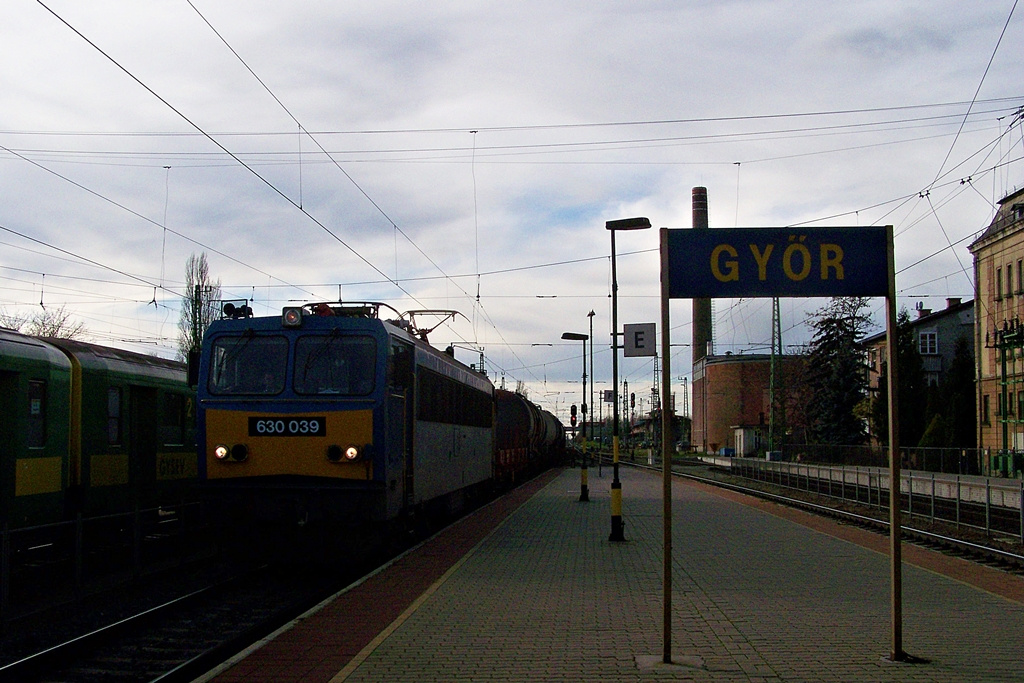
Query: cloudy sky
(466, 155)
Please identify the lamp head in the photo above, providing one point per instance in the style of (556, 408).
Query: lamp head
(638, 223)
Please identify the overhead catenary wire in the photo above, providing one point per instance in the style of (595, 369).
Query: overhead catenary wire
(302, 162)
(218, 144)
(373, 202)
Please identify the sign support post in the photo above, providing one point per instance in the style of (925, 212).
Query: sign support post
(774, 262)
(666, 455)
(896, 652)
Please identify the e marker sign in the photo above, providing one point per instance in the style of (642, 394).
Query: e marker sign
(778, 262)
(640, 340)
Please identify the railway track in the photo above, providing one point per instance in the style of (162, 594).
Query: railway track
(179, 638)
(963, 542)
(182, 637)
(198, 625)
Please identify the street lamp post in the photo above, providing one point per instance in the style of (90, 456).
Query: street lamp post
(591, 316)
(639, 223)
(584, 491)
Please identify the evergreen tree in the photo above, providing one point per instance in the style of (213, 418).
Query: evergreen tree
(957, 397)
(937, 433)
(914, 394)
(837, 381)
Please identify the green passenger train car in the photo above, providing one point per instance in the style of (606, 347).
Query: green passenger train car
(90, 429)
(35, 386)
(132, 430)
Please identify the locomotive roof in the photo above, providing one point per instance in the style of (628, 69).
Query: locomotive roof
(426, 354)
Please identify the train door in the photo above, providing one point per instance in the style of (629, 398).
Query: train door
(401, 415)
(142, 444)
(9, 407)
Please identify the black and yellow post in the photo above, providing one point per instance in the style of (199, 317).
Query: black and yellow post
(617, 531)
(584, 488)
(639, 223)
(584, 492)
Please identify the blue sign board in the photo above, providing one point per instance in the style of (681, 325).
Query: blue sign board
(778, 262)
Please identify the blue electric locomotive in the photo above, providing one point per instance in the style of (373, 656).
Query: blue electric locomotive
(329, 413)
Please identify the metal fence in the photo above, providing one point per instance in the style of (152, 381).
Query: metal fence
(990, 505)
(942, 460)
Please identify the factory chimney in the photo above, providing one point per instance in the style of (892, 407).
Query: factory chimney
(701, 307)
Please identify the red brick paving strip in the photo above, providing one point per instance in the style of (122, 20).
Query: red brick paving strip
(320, 645)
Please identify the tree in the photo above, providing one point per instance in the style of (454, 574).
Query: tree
(836, 379)
(198, 305)
(48, 322)
(913, 394)
(956, 398)
(13, 321)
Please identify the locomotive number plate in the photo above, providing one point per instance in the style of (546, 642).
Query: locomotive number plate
(287, 426)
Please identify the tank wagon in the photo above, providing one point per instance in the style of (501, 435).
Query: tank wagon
(527, 438)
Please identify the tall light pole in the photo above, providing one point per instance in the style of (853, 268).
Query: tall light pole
(584, 491)
(591, 316)
(639, 223)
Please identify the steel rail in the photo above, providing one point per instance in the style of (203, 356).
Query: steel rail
(40, 660)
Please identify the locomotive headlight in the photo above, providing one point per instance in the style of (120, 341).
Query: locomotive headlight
(239, 452)
(336, 453)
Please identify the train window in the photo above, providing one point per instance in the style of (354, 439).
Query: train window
(335, 365)
(114, 415)
(172, 421)
(442, 399)
(36, 414)
(248, 364)
(400, 366)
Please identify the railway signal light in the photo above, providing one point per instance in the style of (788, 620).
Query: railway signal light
(291, 316)
(572, 415)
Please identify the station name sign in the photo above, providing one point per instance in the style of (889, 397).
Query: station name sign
(778, 262)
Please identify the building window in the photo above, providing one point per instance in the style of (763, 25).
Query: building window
(928, 343)
(1009, 281)
(999, 283)
(1020, 276)
(985, 419)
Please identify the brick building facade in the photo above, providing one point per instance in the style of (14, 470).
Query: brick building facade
(732, 401)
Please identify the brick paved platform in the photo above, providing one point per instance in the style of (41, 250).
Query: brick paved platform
(530, 589)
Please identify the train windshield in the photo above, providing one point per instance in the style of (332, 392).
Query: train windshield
(335, 365)
(248, 365)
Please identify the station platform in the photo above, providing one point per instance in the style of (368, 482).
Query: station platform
(530, 589)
